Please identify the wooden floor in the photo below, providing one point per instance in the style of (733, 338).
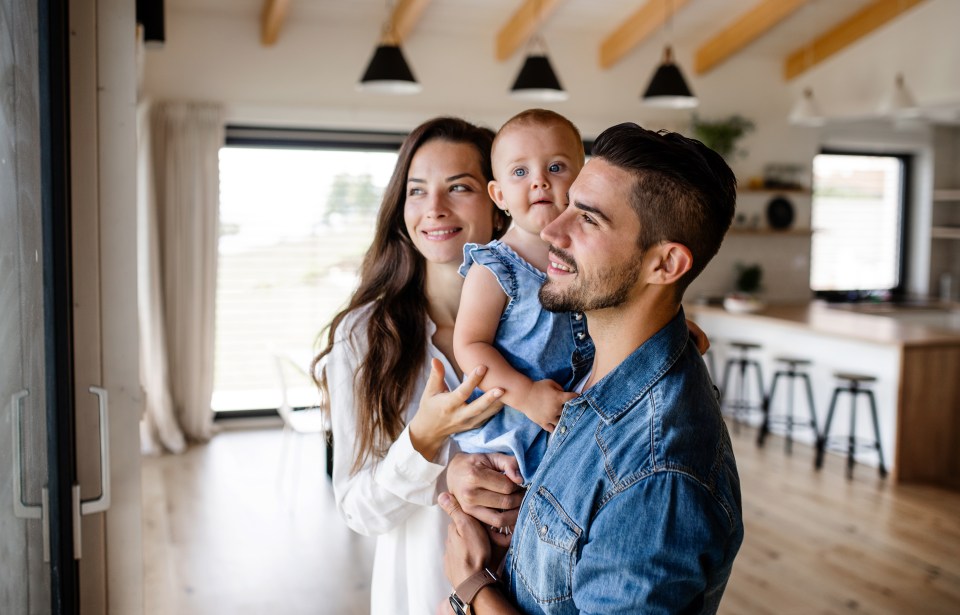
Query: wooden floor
(223, 535)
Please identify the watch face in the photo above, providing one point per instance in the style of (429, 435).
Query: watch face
(457, 605)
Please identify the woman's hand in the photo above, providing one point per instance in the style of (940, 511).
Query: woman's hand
(699, 337)
(443, 412)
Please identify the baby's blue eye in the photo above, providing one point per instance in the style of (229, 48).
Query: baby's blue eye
(555, 168)
(520, 172)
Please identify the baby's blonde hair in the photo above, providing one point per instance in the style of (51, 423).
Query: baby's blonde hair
(542, 117)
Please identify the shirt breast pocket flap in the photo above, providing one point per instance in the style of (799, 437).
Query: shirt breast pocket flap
(553, 525)
(547, 542)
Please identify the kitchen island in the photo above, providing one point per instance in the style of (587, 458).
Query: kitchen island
(917, 369)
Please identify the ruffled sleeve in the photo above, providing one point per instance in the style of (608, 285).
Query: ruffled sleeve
(489, 257)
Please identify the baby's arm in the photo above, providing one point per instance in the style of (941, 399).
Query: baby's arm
(481, 304)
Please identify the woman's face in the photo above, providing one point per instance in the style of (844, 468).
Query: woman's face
(446, 201)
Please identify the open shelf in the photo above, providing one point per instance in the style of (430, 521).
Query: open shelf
(945, 195)
(793, 232)
(945, 232)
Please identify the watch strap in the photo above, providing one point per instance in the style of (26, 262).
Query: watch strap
(468, 589)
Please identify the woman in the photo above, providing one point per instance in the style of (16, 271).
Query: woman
(389, 372)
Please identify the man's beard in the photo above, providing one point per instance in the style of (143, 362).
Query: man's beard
(610, 287)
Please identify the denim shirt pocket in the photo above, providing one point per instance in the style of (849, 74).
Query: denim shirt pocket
(548, 544)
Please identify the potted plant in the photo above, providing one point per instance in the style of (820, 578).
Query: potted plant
(721, 135)
(748, 282)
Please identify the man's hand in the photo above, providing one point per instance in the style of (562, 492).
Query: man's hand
(487, 487)
(543, 403)
(468, 548)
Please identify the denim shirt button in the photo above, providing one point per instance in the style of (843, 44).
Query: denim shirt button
(563, 429)
(543, 530)
(581, 335)
(578, 316)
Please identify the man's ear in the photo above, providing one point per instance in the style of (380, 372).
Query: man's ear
(672, 260)
(496, 194)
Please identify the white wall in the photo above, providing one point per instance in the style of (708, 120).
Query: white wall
(308, 79)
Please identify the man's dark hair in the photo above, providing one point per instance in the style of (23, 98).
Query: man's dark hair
(684, 191)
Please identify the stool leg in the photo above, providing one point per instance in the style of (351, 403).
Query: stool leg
(813, 414)
(726, 380)
(822, 440)
(790, 395)
(876, 432)
(851, 439)
(767, 402)
(759, 372)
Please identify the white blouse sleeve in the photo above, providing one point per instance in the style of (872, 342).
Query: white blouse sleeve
(383, 492)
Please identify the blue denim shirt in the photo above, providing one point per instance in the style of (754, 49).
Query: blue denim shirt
(537, 343)
(636, 506)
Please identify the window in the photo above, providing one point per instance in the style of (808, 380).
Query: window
(858, 214)
(295, 221)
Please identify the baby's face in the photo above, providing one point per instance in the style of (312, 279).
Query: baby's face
(534, 165)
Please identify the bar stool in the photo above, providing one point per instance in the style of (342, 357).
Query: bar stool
(740, 404)
(854, 385)
(792, 370)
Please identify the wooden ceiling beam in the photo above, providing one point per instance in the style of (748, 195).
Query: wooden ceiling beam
(636, 28)
(406, 16)
(271, 20)
(843, 34)
(524, 23)
(745, 29)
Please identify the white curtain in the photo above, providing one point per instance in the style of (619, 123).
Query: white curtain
(179, 220)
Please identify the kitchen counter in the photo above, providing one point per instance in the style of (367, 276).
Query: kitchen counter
(917, 366)
(876, 326)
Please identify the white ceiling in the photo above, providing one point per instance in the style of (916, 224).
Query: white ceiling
(694, 24)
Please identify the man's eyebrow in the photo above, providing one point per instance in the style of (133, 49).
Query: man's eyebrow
(591, 209)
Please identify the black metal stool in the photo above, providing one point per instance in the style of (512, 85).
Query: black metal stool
(854, 386)
(740, 405)
(792, 370)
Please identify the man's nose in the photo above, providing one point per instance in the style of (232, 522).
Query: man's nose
(555, 233)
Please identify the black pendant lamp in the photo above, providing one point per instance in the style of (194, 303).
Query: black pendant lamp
(537, 79)
(388, 71)
(668, 88)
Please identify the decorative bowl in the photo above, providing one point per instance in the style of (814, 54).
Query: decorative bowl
(742, 304)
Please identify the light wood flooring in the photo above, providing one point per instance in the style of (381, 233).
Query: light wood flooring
(223, 534)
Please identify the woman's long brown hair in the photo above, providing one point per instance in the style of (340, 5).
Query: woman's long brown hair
(392, 280)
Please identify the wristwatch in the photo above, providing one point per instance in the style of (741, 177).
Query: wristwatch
(463, 595)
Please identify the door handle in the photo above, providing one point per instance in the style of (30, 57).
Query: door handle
(101, 503)
(20, 507)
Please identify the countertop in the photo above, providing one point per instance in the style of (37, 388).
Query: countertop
(820, 317)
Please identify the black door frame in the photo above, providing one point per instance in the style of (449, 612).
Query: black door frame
(55, 187)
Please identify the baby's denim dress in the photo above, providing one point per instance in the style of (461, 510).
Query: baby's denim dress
(537, 343)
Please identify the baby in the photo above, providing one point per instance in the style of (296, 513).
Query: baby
(534, 355)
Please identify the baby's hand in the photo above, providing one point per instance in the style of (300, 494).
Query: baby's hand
(544, 403)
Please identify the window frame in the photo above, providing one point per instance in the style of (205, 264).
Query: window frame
(899, 291)
(237, 135)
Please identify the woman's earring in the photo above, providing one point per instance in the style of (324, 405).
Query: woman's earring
(506, 212)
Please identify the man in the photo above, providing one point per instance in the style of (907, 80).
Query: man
(636, 505)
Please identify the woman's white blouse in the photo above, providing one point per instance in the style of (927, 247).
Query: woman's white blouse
(393, 498)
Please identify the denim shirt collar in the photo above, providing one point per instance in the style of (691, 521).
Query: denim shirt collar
(618, 391)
